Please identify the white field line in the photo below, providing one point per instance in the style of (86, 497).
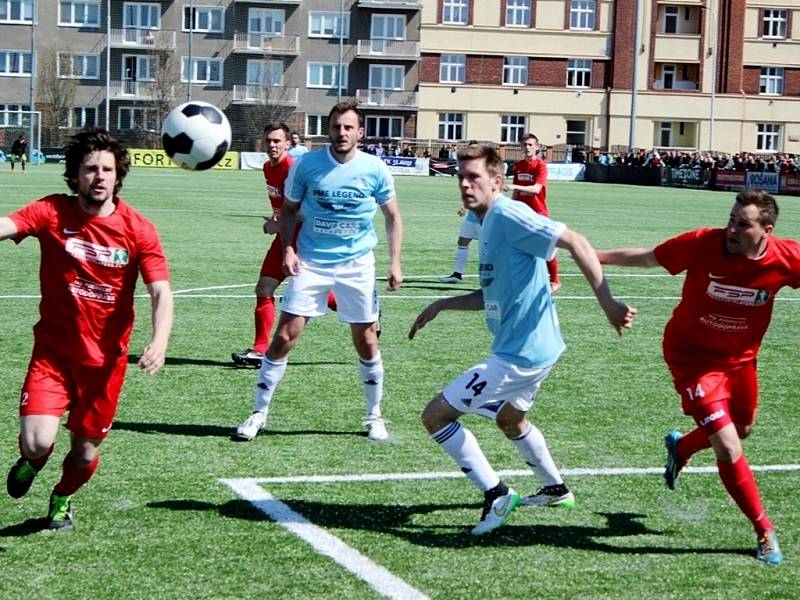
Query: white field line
(377, 577)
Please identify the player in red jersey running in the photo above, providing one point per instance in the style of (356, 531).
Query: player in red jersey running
(530, 186)
(712, 340)
(276, 169)
(93, 247)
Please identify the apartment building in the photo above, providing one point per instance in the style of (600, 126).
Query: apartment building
(124, 63)
(721, 74)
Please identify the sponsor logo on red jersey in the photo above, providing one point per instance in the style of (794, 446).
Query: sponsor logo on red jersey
(736, 294)
(94, 253)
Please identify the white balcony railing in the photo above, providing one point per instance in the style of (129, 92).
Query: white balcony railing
(134, 90)
(271, 1)
(143, 38)
(269, 44)
(387, 98)
(403, 49)
(265, 94)
(391, 4)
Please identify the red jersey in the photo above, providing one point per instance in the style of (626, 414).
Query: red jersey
(87, 274)
(276, 178)
(727, 299)
(530, 172)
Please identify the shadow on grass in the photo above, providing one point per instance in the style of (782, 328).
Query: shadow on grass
(192, 430)
(175, 361)
(25, 528)
(396, 520)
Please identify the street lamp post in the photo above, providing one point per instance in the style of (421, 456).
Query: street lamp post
(712, 51)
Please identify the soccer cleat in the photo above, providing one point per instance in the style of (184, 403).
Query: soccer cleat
(248, 358)
(60, 512)
(554, 287)
(20, 478)
(454, 278)
(674, 463)
(496, 510)
(768, 549)
(376, 428)
(554, 496)
(252, 425)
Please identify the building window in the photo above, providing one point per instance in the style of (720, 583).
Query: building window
(17, 11)
(768, 138)
(452, 68)
(79, 66)
(316, 125)
(582, 14)
(326, 24)
(579, 73)
(265, 72)
(388, 27)
(384, 77)
(576, 133)
(138, 118)
(455, 12)
(771, 81)
(206, 71)
(265, 21)
(515, 70)
(81, 116)
(207, 19)
(451, 126)
(665, 135)
(384, 127)
(518, 13)
(512, 128)
(323, 75)
(774, 23)
(78, 14)
(15, 63)
(14, 115)
(670, 19)
(141, 16)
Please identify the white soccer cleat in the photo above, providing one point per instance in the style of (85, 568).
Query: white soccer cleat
(250, 428)
(376, 428)
(454, 278)
(496, 513)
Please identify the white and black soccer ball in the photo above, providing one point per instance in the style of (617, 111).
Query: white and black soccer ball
(196, 135)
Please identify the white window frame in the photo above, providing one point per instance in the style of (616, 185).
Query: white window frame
(512, 128)
(585, 131)
(451, 126)
(770, 83)
(665, 127)
(13, 115)
(204, 12)
(325, 24)
(398, 24)
(327, 70)
(277, 20)
(202, 62)
(582, 14)
(775, 23)
(78, 117)
(378, 76)
(373, 127)
(455, 12)
(25, 8)
(671, 12)
(150, 114)
(316, 125)
(452, 68)
(515, 70)
(270, 72)
(518, 13)
(72, 13)
(78, 65)
(145, 67)
(768, 137)
(152, 9)
(22, 58)
(579, 73)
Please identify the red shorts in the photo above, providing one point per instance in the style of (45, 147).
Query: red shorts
(273, 262)
(705, 393)
(55, 385)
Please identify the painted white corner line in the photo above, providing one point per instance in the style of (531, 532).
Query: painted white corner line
(377, 577)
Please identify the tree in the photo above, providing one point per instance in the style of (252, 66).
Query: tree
(56, 93)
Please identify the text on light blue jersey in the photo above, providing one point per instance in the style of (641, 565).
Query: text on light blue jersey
(515, 242)
(338, 202)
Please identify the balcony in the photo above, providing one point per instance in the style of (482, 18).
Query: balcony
(388, 49)
(294, 2)
(149, 39)
(387, 99)
(391, 4)
(266, 44)
(132, 90)
(266, 94)
(681, 48)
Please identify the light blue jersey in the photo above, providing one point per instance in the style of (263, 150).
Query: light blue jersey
(297, 151)
(515, 242)
(472, 217)
(337, 204)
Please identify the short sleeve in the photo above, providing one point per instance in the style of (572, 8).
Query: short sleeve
(676, 254)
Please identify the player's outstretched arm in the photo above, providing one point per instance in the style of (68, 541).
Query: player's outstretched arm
(628, 257)
(289, 215)
(394, 235)
(155, 352)
(8, 228)
(472, 301)
(619, 314)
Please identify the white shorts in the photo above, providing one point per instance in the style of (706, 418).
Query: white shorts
(486, 387)
(470, 230)
(353, 283)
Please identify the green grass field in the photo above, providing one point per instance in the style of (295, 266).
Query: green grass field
(158, 521)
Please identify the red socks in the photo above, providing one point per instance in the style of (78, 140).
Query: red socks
(741, 485)
(331, 301)
(265, 319)
(692, 442)
(73, 477)
(552, 269)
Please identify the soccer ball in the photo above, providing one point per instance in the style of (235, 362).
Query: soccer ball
(196, 135)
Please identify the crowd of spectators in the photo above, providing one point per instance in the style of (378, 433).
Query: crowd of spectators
(741, 161)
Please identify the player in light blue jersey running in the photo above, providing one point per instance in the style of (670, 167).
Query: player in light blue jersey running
(514, 242)
(470, 230)
(336, 192)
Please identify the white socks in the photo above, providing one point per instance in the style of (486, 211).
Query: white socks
(534, 452)
(269, 376)
(372, 376)
(462, 446)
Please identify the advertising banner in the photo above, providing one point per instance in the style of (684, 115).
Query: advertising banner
(734, 181)
(768, 182)
(159, 159)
